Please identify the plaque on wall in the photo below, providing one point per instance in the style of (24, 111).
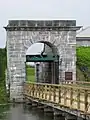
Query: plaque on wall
(68, 75)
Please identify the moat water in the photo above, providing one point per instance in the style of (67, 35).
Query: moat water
(22, 112)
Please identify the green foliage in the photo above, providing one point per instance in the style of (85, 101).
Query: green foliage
(3, 62)
(83, 56)
(3, 96)
(83, 61)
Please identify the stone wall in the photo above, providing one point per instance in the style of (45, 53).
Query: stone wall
(22, 34)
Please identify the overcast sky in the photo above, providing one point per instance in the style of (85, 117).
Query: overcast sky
(43, 9)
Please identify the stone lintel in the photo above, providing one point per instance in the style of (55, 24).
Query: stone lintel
(48, 28)
(42, 23)
(34, 25)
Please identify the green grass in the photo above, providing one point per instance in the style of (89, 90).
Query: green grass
(30, 74)
(83, 56)
(83, 63)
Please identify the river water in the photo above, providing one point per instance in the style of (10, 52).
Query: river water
(21, 112)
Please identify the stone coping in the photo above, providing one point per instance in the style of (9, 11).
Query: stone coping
(41, 23)
(35, 25)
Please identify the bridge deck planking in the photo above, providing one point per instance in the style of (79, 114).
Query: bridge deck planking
(76, 98)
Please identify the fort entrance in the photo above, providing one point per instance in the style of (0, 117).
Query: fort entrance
(46, 62)
(59, 36)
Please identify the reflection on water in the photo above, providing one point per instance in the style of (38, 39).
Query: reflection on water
(21, 112)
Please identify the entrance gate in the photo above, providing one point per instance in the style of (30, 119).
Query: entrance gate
(21, 34)
(47, 64)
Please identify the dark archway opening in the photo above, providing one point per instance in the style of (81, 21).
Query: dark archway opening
(46, 62)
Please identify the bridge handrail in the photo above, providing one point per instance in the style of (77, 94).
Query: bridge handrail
(75, 82)
(66, 95)
(60, 85)
(69, 81)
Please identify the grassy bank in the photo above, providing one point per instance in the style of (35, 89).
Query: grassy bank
(3, 60)
(83, 63)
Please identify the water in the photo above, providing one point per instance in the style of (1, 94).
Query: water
(22, 112)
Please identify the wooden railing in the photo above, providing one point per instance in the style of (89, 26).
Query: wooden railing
(74, 82)
(77, 98)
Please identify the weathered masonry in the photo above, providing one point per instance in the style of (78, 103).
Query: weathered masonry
(21, 34)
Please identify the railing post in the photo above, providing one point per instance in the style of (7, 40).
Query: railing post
(65, 96)
(29, 89)
(71, 98)
(59, 94)
(39, 90)
(32, 90)
(42, 91)
(78, 99)
(45, 92)
(54, 94)
(36, 90)
(50, 93)
(86, 100)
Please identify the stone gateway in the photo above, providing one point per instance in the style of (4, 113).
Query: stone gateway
(21, 34)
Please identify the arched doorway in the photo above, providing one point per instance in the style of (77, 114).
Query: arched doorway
(46, 59)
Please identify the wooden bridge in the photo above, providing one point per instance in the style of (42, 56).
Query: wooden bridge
(73, 98)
